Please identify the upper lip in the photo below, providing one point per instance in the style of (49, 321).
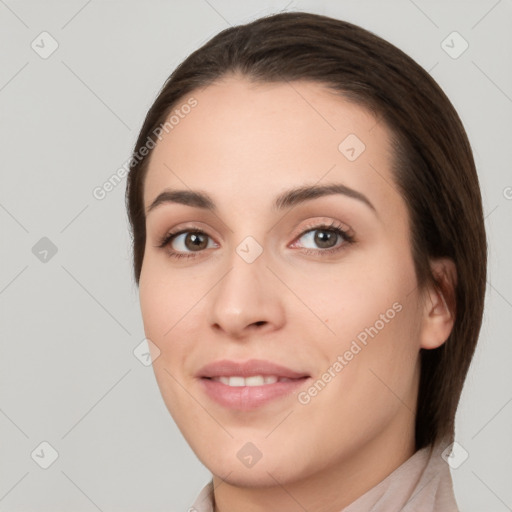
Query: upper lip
(224, 368)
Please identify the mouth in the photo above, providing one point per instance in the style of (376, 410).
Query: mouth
(250, 384)
(254, 380)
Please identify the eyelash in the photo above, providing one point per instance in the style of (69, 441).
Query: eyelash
(347, 237)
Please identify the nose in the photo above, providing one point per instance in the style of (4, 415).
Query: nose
(246, 300)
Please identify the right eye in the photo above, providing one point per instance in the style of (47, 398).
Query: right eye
(184, 243)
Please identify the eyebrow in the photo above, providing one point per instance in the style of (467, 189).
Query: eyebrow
(285, 200)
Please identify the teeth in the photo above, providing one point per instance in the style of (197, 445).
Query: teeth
(254, 380)
(235, 381)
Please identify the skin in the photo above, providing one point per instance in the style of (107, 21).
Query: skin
(243, 144)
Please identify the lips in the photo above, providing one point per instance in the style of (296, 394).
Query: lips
(250, 384)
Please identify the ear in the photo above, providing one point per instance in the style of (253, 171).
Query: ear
(439, 305)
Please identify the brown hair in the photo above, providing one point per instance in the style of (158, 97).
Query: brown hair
(433, 164)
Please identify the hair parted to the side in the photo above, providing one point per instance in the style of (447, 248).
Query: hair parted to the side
(433, 164)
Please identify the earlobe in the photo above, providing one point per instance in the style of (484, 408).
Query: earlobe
(439, 305)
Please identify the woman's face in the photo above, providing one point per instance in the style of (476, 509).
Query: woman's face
(270, 281)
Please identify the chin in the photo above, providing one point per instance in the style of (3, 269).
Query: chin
(232, 463)
(260, 475)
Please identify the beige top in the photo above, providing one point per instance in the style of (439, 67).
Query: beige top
(422, 483)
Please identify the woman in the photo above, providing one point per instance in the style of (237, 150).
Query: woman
(310, 251)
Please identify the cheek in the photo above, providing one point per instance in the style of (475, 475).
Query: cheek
(165, 297)
(164, 310)
(371, 310)
(369, 371)
(153, 304)
(354, 297)
(172, 307)
(162, 306)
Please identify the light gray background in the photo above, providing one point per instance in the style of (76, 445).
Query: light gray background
(69, 325)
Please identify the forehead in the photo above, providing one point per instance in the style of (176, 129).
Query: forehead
(253, 139)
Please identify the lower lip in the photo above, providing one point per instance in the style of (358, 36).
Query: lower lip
(245, 398)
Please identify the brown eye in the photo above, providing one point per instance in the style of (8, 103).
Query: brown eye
(195, 241)
(323, 238)
(185, 243)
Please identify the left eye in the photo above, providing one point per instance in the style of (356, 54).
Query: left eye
(323, 237)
